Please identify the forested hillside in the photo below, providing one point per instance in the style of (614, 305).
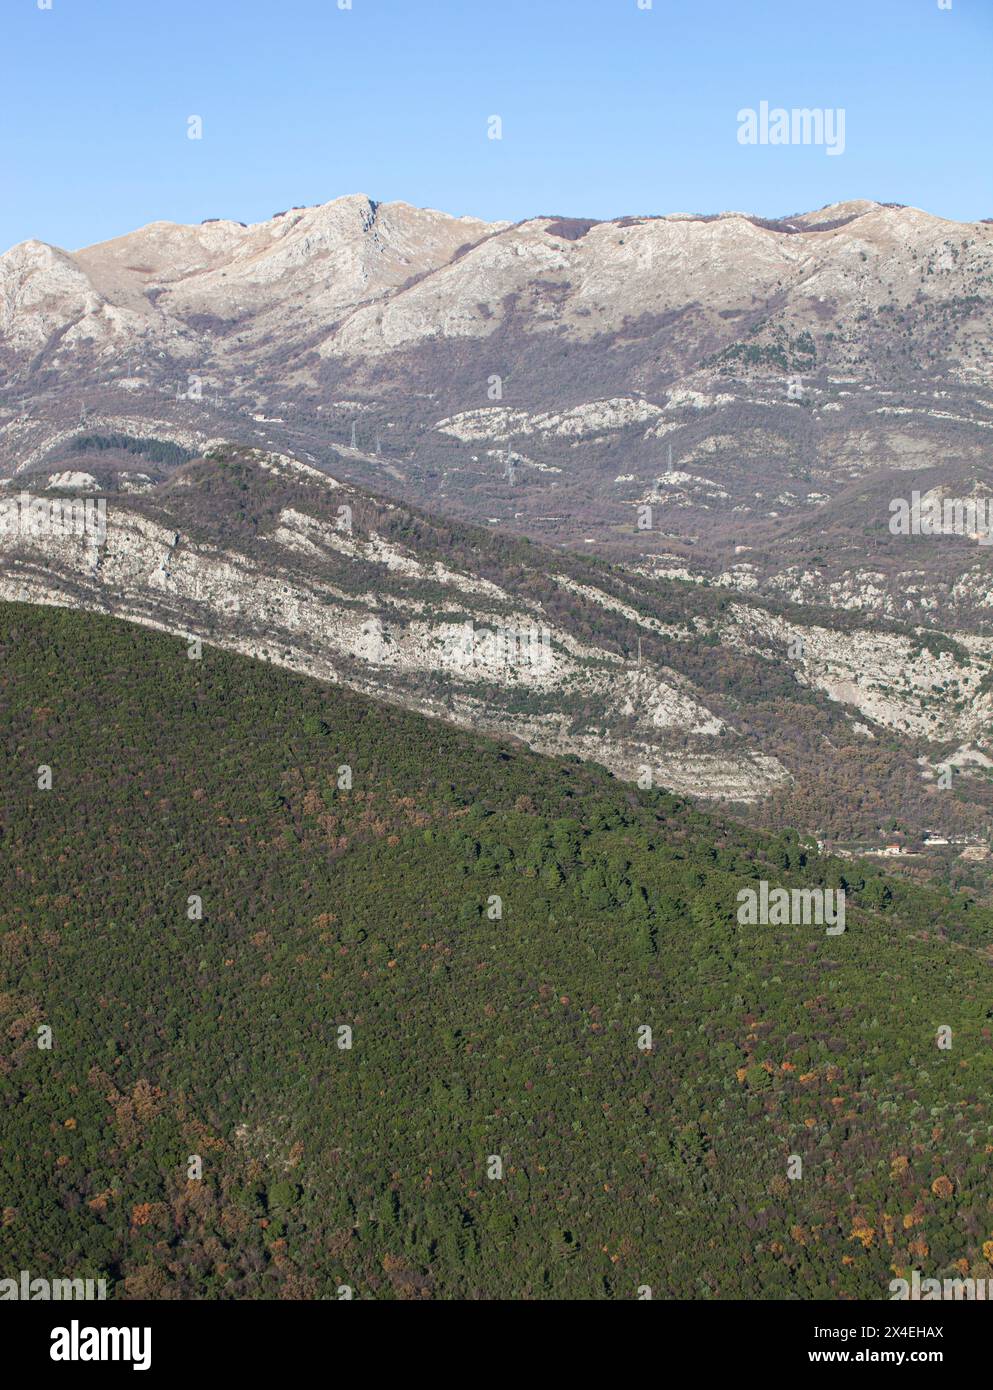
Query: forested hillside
(237, 872)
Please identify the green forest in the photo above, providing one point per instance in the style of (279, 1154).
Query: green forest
(302, 996)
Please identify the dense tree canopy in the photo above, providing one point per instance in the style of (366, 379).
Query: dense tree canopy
(346, 995)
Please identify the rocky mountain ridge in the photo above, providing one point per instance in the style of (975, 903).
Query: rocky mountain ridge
(728, 696)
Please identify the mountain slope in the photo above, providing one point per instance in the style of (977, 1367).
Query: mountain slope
(474, 1036)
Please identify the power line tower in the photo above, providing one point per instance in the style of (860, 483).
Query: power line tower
(354, 445)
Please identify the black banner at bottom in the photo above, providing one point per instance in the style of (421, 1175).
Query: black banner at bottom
(176, 1338)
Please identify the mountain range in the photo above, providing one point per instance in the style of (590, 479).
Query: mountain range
(748, 379)
(368, 441)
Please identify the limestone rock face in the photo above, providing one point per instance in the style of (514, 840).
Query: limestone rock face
(313, 592)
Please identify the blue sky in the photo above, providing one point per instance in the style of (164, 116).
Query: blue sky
(606, 108)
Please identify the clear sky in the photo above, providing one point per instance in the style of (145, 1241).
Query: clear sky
(607, 108)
